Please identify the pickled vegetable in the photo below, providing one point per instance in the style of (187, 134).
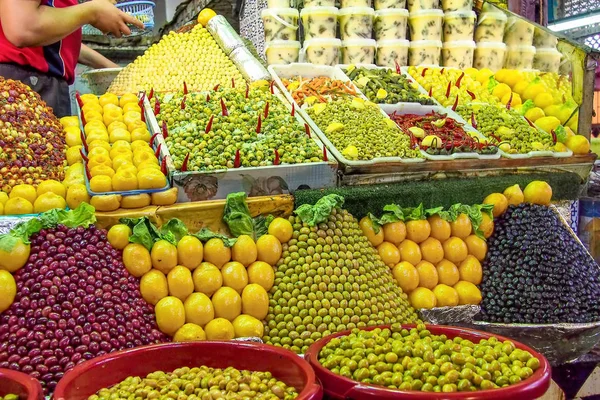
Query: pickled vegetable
(318, 90)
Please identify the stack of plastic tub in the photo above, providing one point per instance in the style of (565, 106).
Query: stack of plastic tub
(391, 19)
(281, 32)
(425, 23)
(320, 22)
(547, 58)
(459, 26)
(490, 49)
(518, 37)
(356, 20)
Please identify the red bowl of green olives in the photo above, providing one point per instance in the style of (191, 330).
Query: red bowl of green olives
(432, 362)
(203, 369)
(16, 385)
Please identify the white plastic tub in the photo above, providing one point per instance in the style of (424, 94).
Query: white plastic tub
(519, 57)
(319, 22)
(385, 4)
(424, 52)
(392, 52)
(547, 60)
(358, 51)
(457, 5)
(518, 32)
(490, 27)
(355, 3)
(319, 3)
(280, 23)
(425, 25)
(418, 5)
(459, 25)
(458, 54)
(489, 55)
(356, 23)
(544, 39)
(322, 51)
(282, 51)
(278, 3)
(390, 24)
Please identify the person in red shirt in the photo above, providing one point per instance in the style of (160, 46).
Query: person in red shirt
(40, 43)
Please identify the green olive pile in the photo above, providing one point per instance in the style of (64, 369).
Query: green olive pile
(506, 128)
(9, 397)
(201, 383)
(417, 360)
(360, 131)
(217, 148)
(385, 86)
(328, 280)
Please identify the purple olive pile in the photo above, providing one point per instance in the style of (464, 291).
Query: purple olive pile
(75, 301)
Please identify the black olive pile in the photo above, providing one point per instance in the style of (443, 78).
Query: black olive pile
(537, 272)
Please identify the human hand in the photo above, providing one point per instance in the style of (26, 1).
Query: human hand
(109, 19)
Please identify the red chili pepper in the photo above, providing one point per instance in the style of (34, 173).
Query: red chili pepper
(78, 97)
(210, 124)
(185, 90)
(266, 113)
(83, 141)
(157, 152)
(529, 122)
(224, 109)
(237, 162)
(247, 89)
(83, 156)
(455, 104)
(141, 102)
(307, 129)
(471, 94)
(397, 66)
(163, 166)
(183, 103)
(207, 97)
(259, 124)
(496, 138)
(554, 138)
(156, 107)
(233, 82)
(473, 122)
(271, 87)
(184, 165)
(448, 89)
(430, 91)
(165, 130)
(459, 80)
(509, 101)
(442, 71)
(325, 158)
(216, 87)
(151, 95)
(276, 162)
(293, 109)
(152, 138)
(83, 121)
(424, 70)
(87, 172)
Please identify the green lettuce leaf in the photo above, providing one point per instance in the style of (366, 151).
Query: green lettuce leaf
(143, 231)
(237, 215)
(528, 105)
(319, 212)
(433, 211)
(561, 134)
(206, 234)
(8, 241)
(261, 225)
(376, 222)
(173, 231)
(475, 214)
(492, 83)
(414, 213)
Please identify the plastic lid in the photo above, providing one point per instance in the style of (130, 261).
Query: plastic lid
(492, 15)
(491, 45)
(547, 51)
(460, 43)
(425, 43)
(460, 14)
(522, 49)
(357, 10)
(323, 42)
(319, 10)
(427, 13)
(393, 42)
(359, 42)
(282, 44)
(269, 12)
(392, 11)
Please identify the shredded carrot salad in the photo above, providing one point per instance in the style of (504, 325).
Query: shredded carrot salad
(318, 90)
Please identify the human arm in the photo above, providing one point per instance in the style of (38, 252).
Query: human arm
(27, 23)
(92, 58)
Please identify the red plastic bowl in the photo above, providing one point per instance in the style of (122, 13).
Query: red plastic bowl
(14, 382)
(110, 369)
(339, 387)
